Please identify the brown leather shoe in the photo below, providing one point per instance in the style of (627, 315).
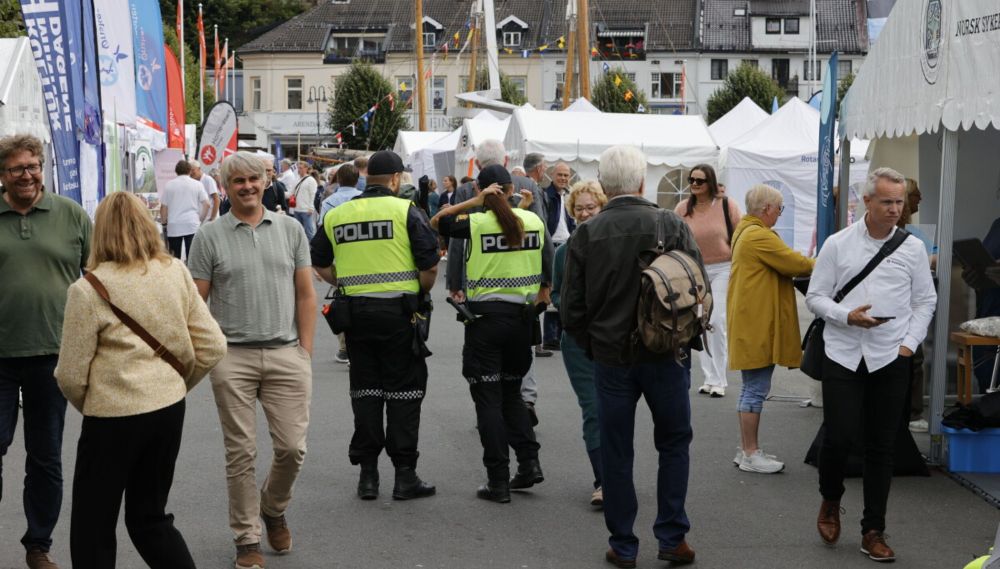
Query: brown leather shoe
(38, 559)
(874, 546)
(620, 562)
(279, 537)
(680, 555)
(249, 556)
(828, 522)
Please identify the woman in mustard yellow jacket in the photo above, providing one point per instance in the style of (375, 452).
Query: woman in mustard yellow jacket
(763, 322)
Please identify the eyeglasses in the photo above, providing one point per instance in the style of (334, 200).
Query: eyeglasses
(697, 181)
(781, 209)
(587, 208)
(18, 171)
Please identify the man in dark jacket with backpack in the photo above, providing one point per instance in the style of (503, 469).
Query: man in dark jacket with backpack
(598, 309)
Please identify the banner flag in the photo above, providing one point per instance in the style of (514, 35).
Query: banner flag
(175, 101)
(150, 77)
(279, 155)
(92, 147)
(115, 61)
(218, 135)
(223, 69)
(46, 23)
(202, 49)
(826, 210)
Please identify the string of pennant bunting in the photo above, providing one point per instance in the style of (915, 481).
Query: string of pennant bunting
(367, 118)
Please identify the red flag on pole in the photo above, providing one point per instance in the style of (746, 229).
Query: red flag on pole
(179, 25)
(175, 101)
(216, 61)
(224, 69)
(202, 49)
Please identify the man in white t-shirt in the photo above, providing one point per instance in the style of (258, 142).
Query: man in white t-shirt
(211, 188)
(183, 204)
(289, 175)
(304, 192)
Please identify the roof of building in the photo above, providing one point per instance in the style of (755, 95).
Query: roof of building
(779, 7)
(840, 23)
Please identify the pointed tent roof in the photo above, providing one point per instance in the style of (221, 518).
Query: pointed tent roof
(582, 105)
(785, 138)
(745, 116)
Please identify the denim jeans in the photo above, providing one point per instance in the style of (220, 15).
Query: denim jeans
(581, 376)
(44, 415)
(665, 387)
(308, 221)
(756, 386)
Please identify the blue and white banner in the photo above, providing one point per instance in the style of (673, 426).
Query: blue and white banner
(59, 63)
(826, 210)
(116, 61)
(150, 76)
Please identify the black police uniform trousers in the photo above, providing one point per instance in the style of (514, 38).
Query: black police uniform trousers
(385, 375)
(496, 355)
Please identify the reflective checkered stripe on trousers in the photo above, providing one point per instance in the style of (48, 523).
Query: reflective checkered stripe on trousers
(492, 378)
(378, 278)
(502, 282)
(388, 395)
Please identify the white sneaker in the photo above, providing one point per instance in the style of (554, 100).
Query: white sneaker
(739, 456)
(760, 463)
(706, 389)
(718, 391)
(919, 426)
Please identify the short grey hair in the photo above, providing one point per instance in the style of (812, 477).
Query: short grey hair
(489, 152)
(195, 164)
(532, 161)
(883, 173)
(621, 170)
(760, 196)
(242, 163)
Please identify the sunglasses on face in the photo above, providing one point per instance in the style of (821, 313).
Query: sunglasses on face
(697, 181)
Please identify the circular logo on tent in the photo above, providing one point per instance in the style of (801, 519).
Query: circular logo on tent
(208, 155)
(930, 54)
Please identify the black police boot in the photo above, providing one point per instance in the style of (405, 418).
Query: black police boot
(409, 485)
(368, 482)
(495, 491)
(528, 474)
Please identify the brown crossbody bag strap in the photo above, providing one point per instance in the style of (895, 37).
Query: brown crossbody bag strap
(158, 348)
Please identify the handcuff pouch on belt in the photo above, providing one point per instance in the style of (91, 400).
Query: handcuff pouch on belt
(419, 307)
(337, 310)
(530, 315)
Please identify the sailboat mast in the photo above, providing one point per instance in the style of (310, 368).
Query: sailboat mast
(583, 46)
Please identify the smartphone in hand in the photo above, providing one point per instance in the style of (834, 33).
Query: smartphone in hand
(883, 318)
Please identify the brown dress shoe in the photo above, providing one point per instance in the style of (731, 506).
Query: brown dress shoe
(620, 562)
(38, 559)
(249, 556)
(828, 522)
(680, 555)
(874, 546)
(279, 537)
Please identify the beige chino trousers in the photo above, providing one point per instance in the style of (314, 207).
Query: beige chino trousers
(281, 379)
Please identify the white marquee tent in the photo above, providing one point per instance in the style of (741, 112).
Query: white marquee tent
(669, 141)
(22, 109)
(484, 126)
(408, 142)
(437, 159)
(738, 121)
(582, 105)
(931, 79)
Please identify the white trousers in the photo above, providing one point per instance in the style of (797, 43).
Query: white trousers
(714, 367)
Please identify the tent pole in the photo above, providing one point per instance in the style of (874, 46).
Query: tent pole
(844, 184)
(946, 219)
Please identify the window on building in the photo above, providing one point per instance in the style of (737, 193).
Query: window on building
(405, 87)
(439, 93)
(751, 62)
(720, 69)
(791, 25)
(255, 93)
(560, 84)
(808, 70)
(520, 82)
(511, 39)
(665, 86)
(293, 93)
(843, 68)
(772, 26)
(430, 40)
(739, 11)
(631, 77)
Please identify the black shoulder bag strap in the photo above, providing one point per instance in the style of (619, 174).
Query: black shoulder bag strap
(729, 222)
(886, 250)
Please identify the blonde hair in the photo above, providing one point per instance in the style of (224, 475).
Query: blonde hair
(592, 187)
(124, 233)
(760, 196)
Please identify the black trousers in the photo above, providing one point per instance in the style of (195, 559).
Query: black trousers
(174, 243)
(386, 377)
(133, 455)
(866, 407)
(496, 355)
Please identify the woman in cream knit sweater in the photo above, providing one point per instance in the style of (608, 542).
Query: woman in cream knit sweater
(131, 399)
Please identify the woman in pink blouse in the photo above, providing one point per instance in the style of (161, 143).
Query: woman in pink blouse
(712, 217)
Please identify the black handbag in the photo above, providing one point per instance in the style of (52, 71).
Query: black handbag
(337, 311)
(813, 346)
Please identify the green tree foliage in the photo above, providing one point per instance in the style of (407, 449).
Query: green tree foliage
(508, 90)
(356, 91)
(239, 20)
(610, 93)
(11, 22)
(745, 81)
(845, 85)
(192, 106)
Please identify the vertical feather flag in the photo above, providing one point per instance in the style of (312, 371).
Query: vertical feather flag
(175, 101)
(202, 49)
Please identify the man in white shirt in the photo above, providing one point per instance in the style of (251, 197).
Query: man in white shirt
(304, 192)
(183, 204)
(870, 338)
(211, 188)
(289, 175)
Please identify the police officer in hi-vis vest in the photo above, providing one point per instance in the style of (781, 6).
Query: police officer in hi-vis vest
(386, 261)
(506, 277)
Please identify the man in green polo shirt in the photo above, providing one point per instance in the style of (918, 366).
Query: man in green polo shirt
(44, 244)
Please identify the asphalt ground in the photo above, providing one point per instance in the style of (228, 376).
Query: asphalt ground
(739, 519)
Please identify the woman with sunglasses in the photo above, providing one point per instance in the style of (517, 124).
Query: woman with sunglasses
(712, 217)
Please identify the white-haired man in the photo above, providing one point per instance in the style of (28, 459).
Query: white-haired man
(870, 336)
(253, 257)
(211, 188)
(598, 310)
